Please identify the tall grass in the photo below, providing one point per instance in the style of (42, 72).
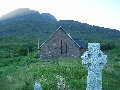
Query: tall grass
(20, 73)
(24, 77)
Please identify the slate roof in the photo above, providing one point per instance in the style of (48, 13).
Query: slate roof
(81, 43)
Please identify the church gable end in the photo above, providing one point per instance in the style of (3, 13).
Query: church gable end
(60, 44)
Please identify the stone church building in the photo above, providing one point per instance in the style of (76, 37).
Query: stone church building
(61, 44)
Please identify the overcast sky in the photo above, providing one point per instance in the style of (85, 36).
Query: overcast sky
(104, 13)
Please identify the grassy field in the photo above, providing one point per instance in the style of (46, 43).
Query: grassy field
(21, 72)
(20, 67)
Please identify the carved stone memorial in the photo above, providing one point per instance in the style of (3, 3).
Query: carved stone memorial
(37, 86)
(94, 61)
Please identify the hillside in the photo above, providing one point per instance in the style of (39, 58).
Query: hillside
(27, 13)
(20, 67)
(17, 13)
(31, 24)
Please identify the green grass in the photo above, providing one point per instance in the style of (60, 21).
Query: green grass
(24, 77)
(21, 72)
(45, 72)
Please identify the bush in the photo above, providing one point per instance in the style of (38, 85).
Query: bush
(24, 49)
(107, 46)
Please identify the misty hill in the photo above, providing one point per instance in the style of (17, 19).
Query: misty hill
(17, 13)
(26, 12)
(33, 25)
(26, 23)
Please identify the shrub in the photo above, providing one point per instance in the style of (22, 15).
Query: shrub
(24, 49)
(107, 46)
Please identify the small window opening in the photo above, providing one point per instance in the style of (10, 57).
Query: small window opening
(66, 48)
(61, 46)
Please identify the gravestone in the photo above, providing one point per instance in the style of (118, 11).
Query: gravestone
(37, 86)
(94, 60)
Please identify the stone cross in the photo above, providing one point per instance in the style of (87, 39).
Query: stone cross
(94, 60)
(37, 86)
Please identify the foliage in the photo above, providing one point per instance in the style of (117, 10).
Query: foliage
(46, 72)
(24, 71)
(24, 49)
(37, 26)
(20, 67)
(19, 71)
(108, 46)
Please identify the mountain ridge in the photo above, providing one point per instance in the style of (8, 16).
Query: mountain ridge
(16, 13)
(20, 12)
(41, 26)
